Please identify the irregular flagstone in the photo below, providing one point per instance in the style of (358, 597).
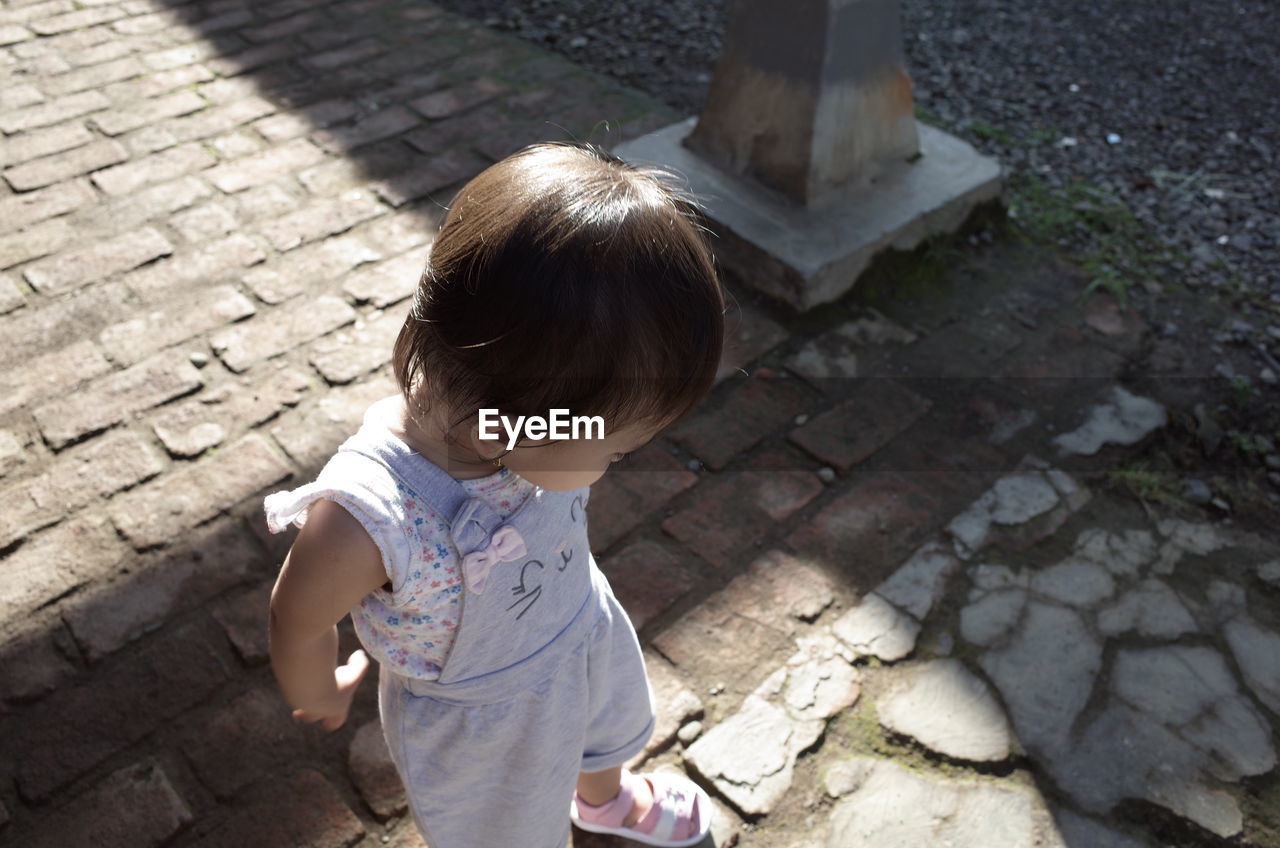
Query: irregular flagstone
(876, 628)
(1045, 674)
(1269, 572)
(893, 808)
(753, 777)
(1021, 507)
(919, 582)
(782, 718)
(1152, 609)
(1076, 831)
(1123, 554)
(1257, 651)
(1196, 538)
(991, 616)
(947, 709)
(1123, 420)
(1074, 582)
(844, 776)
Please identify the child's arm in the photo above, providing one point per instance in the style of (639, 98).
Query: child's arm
(332, 565)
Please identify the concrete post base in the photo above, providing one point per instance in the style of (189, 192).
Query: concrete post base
(807, 256)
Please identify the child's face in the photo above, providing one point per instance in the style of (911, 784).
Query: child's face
(567, 464)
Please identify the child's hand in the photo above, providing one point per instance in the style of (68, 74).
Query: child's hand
(347, 677)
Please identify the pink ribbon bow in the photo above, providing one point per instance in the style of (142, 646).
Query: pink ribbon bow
(505, 545)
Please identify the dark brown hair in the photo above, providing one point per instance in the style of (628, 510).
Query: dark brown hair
(565, 277)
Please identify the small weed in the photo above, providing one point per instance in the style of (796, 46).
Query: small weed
(1241, 391)
(1150, 486)
(988, 132)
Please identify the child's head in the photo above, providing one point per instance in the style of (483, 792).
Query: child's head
(564, 278)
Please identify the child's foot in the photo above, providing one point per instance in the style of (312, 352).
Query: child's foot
(658, 809)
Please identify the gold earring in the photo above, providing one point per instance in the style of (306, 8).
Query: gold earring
(497, 462)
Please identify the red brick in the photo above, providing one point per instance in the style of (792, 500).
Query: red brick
(778, 591)
(110, 399)
(451, 101)
(146, 516)
(159, 167)
(204, 265)
(311, 434)
(445, 170)
(243, 616)
(157, 201)
(346, 355)
(62, 166)
(858, 427)
(53, 111)
(382, 124)
(94, 76)
(712, 638)
(204, 222)
(74, 268)
(740, 510)
(302, 269)
(12, 34)
(99, 469)
(265, 167)
(161, 82)
(68, 319)
(300, 121)
(276, 331)
(281, 28)
(33, 665)
(21, 12)
(251, 59)
(143, 24)
(11, 298)
(44, 142)
(322, 218)
(136, 807)
(51, 374)
(34, 242)
(125, 698)
(162, 588)
(345, 55)
(632, 491)
(206, 309)
(647, 579)
(17, 95)
(748, 335)
(258, 727)
(117, 121)
(77, 20)
(100, 54)
(53, 563)
(217, 119)
(387, 282)
(374, 773)
(304, 811)
(753, 410)
(866, 533)
(176, 57)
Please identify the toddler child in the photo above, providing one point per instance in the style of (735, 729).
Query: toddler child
(512, 688)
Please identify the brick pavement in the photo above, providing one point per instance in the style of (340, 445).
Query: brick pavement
(211, 216)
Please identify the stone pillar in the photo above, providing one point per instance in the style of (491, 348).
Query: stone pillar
(807, 154)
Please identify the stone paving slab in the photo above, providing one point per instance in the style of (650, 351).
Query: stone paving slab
(878, 554)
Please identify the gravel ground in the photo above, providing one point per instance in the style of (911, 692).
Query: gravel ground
(1158, 122)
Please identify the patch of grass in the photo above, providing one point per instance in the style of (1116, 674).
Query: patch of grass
(989, 132)
(1117, 250)
(1149, 486)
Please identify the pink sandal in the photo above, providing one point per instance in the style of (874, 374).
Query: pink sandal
(680, 815)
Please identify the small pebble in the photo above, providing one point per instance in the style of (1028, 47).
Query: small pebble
(199, 359)
(827, 475)
(1267, 376)
(694, 465)
(1273, 461)
(1197, 491)
(1113, 138)
(1221, 504)
(689, 732)
(716, 690)
(800, 419)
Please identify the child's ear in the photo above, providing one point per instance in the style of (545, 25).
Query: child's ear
(487, 449)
